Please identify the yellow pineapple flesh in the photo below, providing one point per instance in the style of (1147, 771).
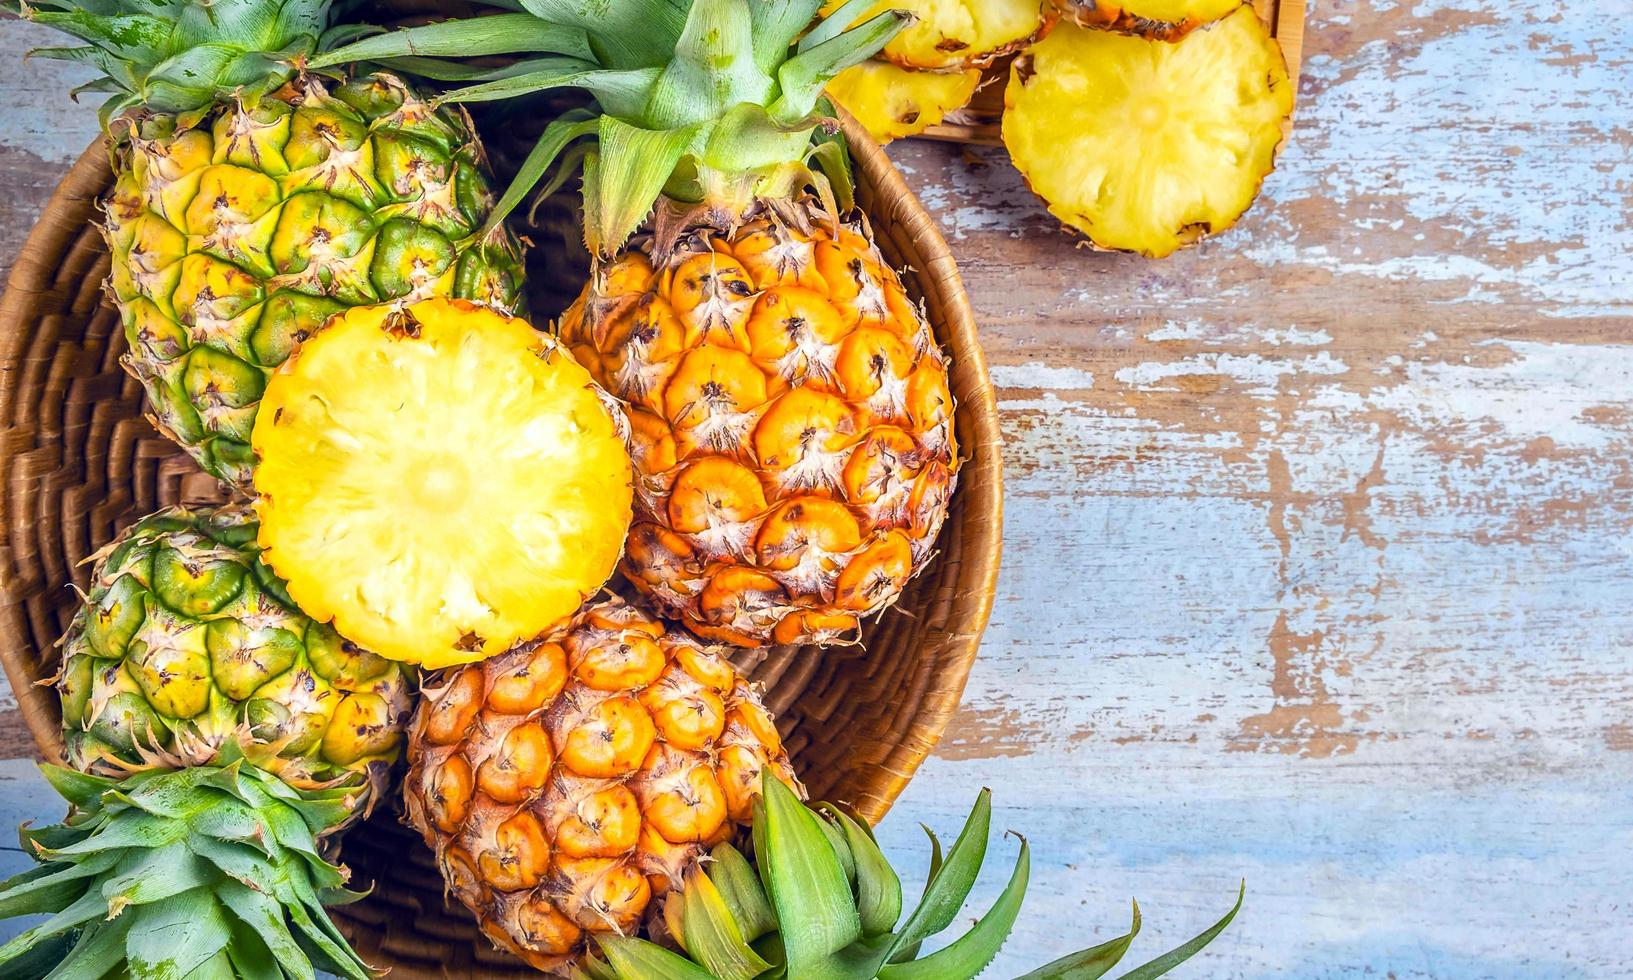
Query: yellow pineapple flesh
(1166, 20)
(439, 480)
(893, 102)
(791, 424)
(966, 34)
(1148, 146)
(569, 783)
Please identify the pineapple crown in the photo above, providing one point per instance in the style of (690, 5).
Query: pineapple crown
(216, 869)
(708, 102)
(181, 56)
(821, 900)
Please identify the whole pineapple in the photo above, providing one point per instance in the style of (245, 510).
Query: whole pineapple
(253, 200)
(790, 410)
(569, 783)
(216, 737)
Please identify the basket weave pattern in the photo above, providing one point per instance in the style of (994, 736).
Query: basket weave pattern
(78, 462)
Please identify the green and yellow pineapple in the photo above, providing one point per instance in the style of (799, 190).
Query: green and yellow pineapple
(216, 736)
(254, 199)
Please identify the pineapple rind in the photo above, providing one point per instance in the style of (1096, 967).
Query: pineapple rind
(188, 644)
(568, 784)
(893, 102)
(1146, 146)
(440, 482)
(957, 34)
(1166, 20)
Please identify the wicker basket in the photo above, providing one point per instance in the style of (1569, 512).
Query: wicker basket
(79, 462)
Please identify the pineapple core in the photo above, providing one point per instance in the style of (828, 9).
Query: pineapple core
(440, 481)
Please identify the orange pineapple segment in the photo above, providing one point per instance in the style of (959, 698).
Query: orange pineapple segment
(794, 449)
(1146, 146)
(441, 481)
(963, 34)
(894, 102)
(569, 783)
(1164, 20)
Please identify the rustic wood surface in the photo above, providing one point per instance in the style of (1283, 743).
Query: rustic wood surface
(1320, 553)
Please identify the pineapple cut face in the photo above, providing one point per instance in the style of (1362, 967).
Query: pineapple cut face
(1166, 20)
(957, 33)
(440, 481)
(1147, 146)
(893, 102)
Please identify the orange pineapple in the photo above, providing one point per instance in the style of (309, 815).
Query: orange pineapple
(791, 420)
(567, 783)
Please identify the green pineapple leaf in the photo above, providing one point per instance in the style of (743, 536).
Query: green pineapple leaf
(1178, 955)
(816, 914)
(1093, 963)
(952, 882)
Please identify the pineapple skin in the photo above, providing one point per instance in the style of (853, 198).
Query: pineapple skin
(791, 423)
(570, 783)
(235, 235)
(1159, 20)
(186, 641)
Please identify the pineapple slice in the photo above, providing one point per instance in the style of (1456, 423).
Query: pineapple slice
(957, 33)
(440, 481)
(893, 102)
(1145, 146)
(1164, 20)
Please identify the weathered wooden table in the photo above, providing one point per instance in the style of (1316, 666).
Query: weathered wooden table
(1320, 552)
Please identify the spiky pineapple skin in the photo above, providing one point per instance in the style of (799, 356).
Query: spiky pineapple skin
(186, 642)
(791, 419)
(567, 784)
(237, 234)
(1160, 20)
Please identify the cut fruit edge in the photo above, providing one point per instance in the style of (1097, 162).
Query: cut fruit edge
(981, 121)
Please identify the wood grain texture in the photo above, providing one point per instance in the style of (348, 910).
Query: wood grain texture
(1319, 565)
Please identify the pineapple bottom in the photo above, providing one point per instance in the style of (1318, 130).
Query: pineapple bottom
(1146, 146)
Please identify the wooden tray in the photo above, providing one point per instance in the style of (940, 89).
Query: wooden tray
(981, 121)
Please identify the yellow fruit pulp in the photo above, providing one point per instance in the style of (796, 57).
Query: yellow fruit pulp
(894, 102)
(1148, 146)
(440, 481)
(956, 33)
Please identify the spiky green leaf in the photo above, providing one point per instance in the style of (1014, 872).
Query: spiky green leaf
(476, 37)
(952, 883)
(1093, 963)
(969, 954)
(637, 959)
(816, 914)
(1178, 955)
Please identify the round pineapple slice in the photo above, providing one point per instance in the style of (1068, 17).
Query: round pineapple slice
(1145, 146)
(892, 102)
(966, 34)
(1164, 20)
(440, 481)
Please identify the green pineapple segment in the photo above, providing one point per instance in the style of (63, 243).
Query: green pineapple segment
(236, 238)
(253, 200)
(187, 643)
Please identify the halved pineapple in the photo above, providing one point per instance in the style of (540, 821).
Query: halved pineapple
(1146, 146)
(1165, 20)
(441, 480)
(893, 102)
(957, 33)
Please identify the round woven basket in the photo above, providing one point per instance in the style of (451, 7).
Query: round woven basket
(78, 462)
